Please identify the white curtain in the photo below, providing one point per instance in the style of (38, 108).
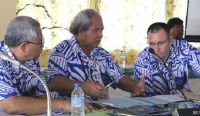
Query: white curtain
(125, 21)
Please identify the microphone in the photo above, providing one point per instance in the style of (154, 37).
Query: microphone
(178, 86)
(5, 57)
(151, 50)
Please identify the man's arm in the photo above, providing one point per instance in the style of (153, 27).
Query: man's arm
(61, 84)
(65, 86)
(193, 58)
(31, 106)
(127, 84)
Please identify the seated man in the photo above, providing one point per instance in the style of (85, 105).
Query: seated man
(80, 59)
(176, 27)
(21, 92)
(165, 63)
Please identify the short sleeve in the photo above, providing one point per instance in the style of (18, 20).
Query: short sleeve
(6, 87)
(57, 64)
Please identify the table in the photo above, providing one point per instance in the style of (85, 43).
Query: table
(156, 105)
(161, 105)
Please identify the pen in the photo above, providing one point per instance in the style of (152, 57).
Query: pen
(109, 84)
(183, 95)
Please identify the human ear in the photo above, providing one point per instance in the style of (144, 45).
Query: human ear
(23, 46)
(81, 34)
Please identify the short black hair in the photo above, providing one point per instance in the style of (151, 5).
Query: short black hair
(155, 27)
(174, 21)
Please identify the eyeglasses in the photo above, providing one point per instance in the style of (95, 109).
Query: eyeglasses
(39, 44)
(159, 44)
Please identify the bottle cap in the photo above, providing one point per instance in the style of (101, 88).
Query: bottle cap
(77, 85)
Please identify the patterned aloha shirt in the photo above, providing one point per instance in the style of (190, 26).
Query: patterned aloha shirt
(160, 79)
(67, 59)
(15, 81)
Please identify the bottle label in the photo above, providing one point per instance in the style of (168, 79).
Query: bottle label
(77, 106)
(77, 101)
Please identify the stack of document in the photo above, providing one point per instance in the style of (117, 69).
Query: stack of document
(140, 111)
(161, 99)
(124, 102)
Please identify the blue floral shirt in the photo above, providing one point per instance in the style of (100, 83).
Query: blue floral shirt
(15, 81)
(67, 59)
(160, 79)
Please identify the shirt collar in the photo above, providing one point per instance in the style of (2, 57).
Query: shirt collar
(75, 46)
(7, 51)
(73, 42)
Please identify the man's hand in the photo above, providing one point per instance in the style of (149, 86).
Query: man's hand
(88, 107)
(139, 88)
(94, 89)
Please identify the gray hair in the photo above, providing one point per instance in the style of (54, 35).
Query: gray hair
(20, 29)
(82, 21)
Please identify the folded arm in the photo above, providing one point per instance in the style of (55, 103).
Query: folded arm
(31, 105)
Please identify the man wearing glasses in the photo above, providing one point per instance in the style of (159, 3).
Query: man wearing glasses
(20, 91)
(165, 63)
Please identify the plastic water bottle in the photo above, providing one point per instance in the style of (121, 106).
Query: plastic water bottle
(77, 101)
(122, 62)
